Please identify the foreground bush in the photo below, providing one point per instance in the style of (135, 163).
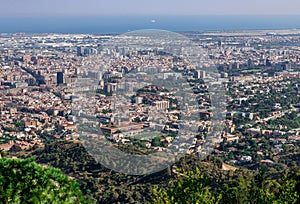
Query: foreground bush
(24, 181)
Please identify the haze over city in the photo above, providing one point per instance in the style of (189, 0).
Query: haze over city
(13, 8)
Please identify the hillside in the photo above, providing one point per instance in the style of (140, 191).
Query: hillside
(105, 186)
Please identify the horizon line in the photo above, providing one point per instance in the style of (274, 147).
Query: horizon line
(152, 15)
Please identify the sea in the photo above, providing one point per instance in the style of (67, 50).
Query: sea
(122, 24)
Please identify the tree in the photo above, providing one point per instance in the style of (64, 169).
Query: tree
(192, 187)
(24, 181)
(260, 189)
(156, 141)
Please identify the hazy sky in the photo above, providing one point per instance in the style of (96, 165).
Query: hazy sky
(147, 7)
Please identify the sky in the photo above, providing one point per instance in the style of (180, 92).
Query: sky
(13, 8)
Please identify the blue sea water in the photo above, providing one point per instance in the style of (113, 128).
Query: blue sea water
(121, 24)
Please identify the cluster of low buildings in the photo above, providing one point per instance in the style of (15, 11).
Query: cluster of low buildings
(138, 94)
